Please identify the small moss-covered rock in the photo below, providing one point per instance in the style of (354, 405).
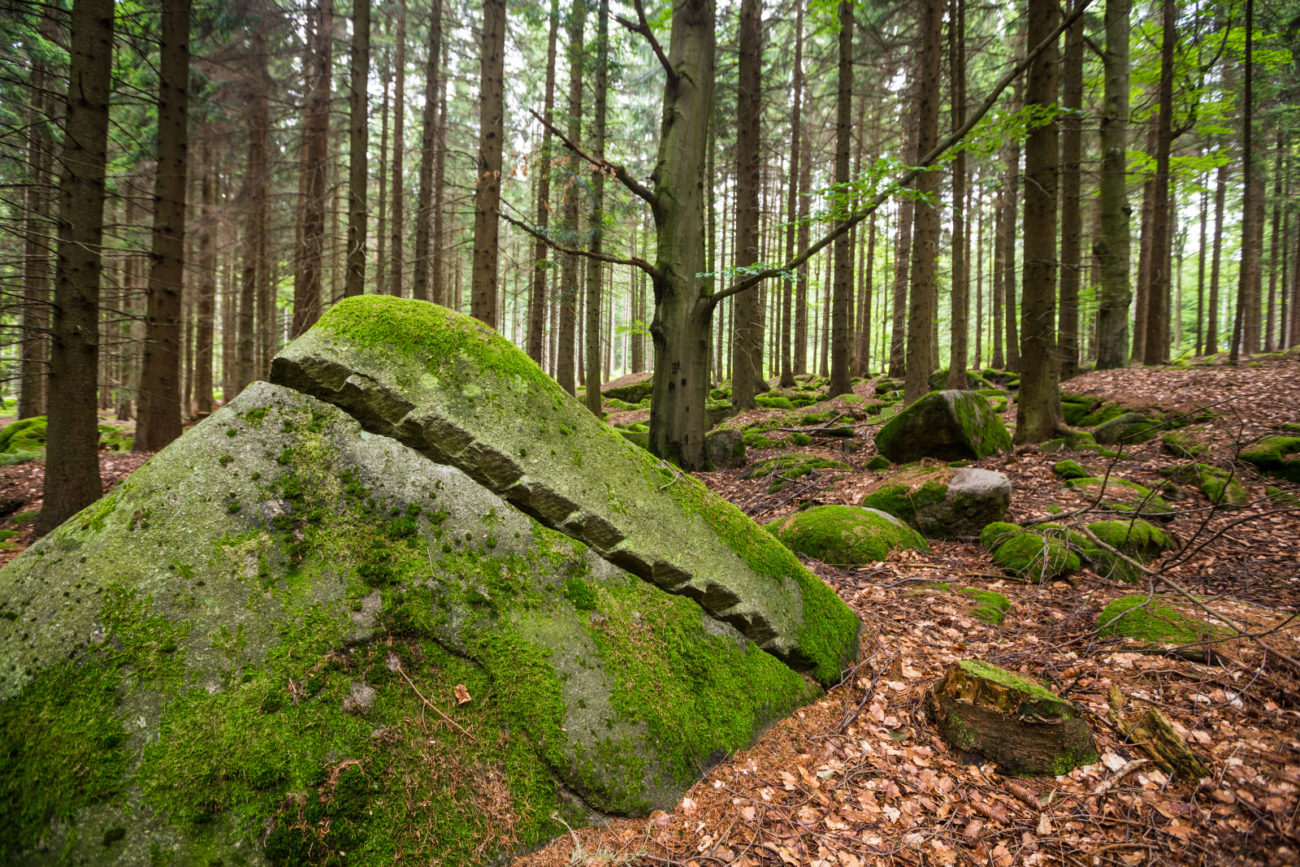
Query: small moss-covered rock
(1036, 557)
(788, 467)
(1070, 470)
(1021, 725)
(1277, 456)
(1121, 495)
(725, 449)
(943, 502)
(878, 463)
(773, 401)
(631, 389)
(948, 425)
(24, 435)
(1281, 497)
(1180, 444)
(1129, 428)
(1134, 538)
(845, 535)
(1221, 486)
(1160, 623)
(990, 606)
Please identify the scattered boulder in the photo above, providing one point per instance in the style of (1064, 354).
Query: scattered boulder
(1134, 538)
(1277, 456)
(1021, 725)
(1129, 428)
(943, 503)
(284, 559)
(846, 535)
(1162, 624)
(1034, 555)
(948, 425)
(24, 435)
(1180, 445)
(878, 463)
(788, 467)
(725, 449)
(633, 388)
(1068, 469)
(1220, 485)
(1121, 495)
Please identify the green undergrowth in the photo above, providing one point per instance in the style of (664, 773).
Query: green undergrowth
(990, 606)
(1221, 486)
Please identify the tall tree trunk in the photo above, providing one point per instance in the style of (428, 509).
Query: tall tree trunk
(537, 297)
(1011, 189)
(71, 479)
(160, 392)
(960, 347)
(1141, 300)
(842, 281)
(747, 347)
(979, 280)
(792, 205)
(1276, 250)
(34, 319)
(1071, 204)
(487, 194)
(681, 327)
(358, 136)
(1038, 411)
(1111, 247)
(381, 219)
(255, 268)
(594, 378)
(564, 366)
(205, 312)
(1200, 265)
(1245, 332)
(998, 359)
(397, 222)
(428, 138)
(438, 277)
(307, 289)
(924, 301)
(800, 360)
(903, 248)
(1157, 323)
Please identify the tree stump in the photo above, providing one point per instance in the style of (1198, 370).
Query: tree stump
(1022, 726)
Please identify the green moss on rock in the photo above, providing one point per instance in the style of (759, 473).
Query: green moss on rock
(1036, 557)
(846, 535)
(1070, 470)
(990, 606)
(1156, 621)
(1121, 495)
(948, 425)
(1277, 456)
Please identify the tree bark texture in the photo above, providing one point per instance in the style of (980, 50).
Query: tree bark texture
(537, 295)
(358, 158)
(923, 306)
(1157, 319)
(160, 386)
(428, 145)
(307, 289)
(567, 339)
(487, 192)
(594, 268)
(960, 345)
(1038, 411)
(1112, 244)
(746, 346)
(842, 280)
(397, 264)
(1071, 200)
(72, 458)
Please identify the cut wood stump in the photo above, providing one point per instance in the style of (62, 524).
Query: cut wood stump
(1156, 736)
(1024, 727)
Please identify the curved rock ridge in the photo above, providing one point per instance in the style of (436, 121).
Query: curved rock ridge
(286, 638)
(459, 393)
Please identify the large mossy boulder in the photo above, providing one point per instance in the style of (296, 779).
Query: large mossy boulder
(288, 637)
(1021, 725)
(948, 425)
(942, 502)
(460, 394)
(846, 535)
(1277, 456)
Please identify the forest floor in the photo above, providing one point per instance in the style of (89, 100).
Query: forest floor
(862, 776)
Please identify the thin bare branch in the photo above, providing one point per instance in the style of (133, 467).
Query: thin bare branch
(634, 261)
(622, 174)
(642, 27)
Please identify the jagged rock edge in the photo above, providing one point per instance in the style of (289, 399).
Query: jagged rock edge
(444, 443)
